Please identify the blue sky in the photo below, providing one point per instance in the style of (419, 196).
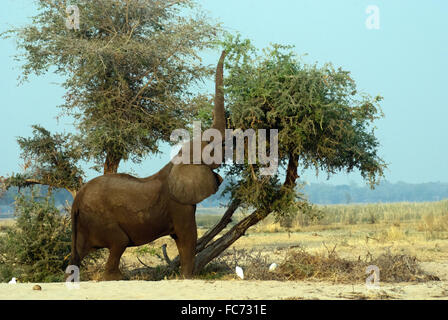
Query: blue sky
(405, 61)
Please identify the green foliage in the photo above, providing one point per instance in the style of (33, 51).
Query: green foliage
(305, 214)
(128, 70)
(37, 247)
(50, 160)
(319, 114)
(204, 112)
(149, 250)
(256, 191)
(322, 120)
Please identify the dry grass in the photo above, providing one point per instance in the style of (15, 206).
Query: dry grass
(401, 236)
(299, 264)
(383, 212)
(431, 217)
(396, 245)
(6, 224)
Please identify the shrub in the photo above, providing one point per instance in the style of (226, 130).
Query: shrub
(37, 247)
(298, 265)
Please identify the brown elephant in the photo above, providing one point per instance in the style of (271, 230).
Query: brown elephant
(117, 211)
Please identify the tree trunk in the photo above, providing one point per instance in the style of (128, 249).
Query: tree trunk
(205, 253)
(225, 220)
(217, 247)
(111, 164)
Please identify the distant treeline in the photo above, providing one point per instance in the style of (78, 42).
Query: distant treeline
(7, 199)
(321, 193)
(318, 193)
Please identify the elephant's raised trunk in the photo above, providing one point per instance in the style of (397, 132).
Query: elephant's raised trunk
(219, 118)
(219, 122)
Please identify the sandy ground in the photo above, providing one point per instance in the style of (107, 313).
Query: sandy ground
(223, 290)
(232, 289)
(432, 254)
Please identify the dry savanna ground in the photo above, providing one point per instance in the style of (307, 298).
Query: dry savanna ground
(324, 259)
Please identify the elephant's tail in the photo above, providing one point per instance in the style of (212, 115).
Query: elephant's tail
(74, 260)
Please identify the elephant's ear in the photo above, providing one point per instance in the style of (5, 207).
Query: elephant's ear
(192, 183)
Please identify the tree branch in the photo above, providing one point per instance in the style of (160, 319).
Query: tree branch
(31, 182)
(225, 220)
(218, 246)
(165, 255)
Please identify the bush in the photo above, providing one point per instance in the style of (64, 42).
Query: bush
(299, 265)
(37, 247)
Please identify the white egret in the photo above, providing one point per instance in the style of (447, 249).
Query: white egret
(273, 266)
(239, 272)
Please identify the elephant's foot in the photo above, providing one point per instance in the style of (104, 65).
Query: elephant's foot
(112, 275)
(186, 274)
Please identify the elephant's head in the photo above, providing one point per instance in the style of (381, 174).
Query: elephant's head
(192, 183)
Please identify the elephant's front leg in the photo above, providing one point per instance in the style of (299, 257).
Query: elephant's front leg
(186, 238)
(187, 252)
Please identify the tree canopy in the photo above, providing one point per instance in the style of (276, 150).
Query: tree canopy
(49, 159)
(128, 70)
(322, 119)
(323, 122)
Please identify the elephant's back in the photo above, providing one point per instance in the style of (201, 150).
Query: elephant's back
(118, 192)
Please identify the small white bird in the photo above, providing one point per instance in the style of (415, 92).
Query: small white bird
(272, 267)
(239, 272)
(13, 281)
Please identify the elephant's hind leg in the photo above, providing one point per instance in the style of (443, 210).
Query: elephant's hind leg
(117, 245)
(82, 246)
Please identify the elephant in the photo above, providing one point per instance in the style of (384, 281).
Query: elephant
(117, 211)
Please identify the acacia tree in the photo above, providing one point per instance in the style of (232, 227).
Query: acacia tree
(51, 160)
(129, 70)
(323, 123)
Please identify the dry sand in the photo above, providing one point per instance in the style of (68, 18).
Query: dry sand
(433, 255)
(233, 289)
(223, 290)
